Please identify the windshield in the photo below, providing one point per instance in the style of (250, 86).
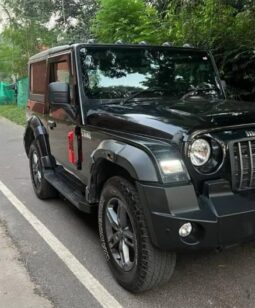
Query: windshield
(123, 73)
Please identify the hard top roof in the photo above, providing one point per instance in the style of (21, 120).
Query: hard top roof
(44, 54)
(55, 50)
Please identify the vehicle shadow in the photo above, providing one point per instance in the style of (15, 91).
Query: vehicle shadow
(211, 279)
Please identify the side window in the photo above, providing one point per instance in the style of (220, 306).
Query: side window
(38, 78)
(61, 72)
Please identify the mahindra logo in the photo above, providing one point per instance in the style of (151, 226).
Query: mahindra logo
(250, 133)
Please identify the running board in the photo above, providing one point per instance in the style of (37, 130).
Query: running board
(67, 188)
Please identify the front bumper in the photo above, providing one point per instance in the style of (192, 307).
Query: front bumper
(219, 217)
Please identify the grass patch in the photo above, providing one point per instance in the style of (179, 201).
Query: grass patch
(13, 113)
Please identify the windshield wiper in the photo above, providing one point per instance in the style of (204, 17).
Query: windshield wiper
(136, 94)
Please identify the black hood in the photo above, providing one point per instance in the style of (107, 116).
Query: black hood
(163, 117)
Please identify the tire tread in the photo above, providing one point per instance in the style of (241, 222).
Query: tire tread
(156, 266)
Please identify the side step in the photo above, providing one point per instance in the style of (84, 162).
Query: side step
(66, 185)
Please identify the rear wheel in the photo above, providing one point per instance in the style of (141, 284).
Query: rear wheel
(41, 187)
(135, 263)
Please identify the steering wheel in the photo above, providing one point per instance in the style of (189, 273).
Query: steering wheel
(201, 88)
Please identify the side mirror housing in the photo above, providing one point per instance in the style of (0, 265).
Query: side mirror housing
(59, 93)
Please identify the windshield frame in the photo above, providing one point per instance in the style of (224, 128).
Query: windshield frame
(88, 101)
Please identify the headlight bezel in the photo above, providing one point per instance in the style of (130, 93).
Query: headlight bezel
(216, 159)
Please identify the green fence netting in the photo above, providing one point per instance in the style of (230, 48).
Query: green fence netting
(15, 92)
(22, 96)
(7, 95)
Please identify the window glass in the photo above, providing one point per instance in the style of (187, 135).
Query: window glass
(62, 73)
(110, 73)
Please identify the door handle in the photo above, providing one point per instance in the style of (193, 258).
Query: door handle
(52, 124)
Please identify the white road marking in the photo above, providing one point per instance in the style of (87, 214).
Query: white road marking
(105, 299)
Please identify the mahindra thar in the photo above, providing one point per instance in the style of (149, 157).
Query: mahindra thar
(144, 136)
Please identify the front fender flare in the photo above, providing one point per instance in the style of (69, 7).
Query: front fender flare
(133, 159)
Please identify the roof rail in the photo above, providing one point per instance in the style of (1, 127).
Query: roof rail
(167, 44)
(143, 43)
(91, 41)
(119, 42)
(187, 45)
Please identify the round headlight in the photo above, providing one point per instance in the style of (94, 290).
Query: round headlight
(200, 152)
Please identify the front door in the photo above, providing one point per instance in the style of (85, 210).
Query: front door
(62, 122)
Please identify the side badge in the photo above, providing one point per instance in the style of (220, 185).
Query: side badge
(86, 134)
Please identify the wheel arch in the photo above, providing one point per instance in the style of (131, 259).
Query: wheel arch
(35, 130)
(28, 139)
(114, 158)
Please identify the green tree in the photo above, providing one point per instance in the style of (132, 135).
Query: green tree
(24, 34)
(28, 10)
(71, 17)
(74, 18)
(18, 43)
(159, 5)
(127, 20)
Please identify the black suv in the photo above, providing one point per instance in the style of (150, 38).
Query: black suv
(145, 136)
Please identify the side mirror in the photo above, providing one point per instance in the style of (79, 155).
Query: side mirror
(59, 93)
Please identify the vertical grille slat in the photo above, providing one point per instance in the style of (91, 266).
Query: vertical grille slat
(242, 157)
(241, 165)
(251, 163)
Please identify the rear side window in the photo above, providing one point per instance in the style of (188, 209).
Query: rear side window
(38, 78)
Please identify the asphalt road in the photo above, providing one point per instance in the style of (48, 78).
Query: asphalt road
(204, 279)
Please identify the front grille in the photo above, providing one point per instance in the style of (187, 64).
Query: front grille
(242, 157)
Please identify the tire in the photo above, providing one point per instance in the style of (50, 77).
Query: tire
(42, 188)
(122, 226)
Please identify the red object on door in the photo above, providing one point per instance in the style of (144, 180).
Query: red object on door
(71, 154)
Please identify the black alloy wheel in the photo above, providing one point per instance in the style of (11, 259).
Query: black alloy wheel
(120, 234)
(36, 169)
(134, 262)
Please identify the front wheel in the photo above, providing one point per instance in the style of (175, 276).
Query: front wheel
(135, 263)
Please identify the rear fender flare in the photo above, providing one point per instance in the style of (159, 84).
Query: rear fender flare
(36, 131)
